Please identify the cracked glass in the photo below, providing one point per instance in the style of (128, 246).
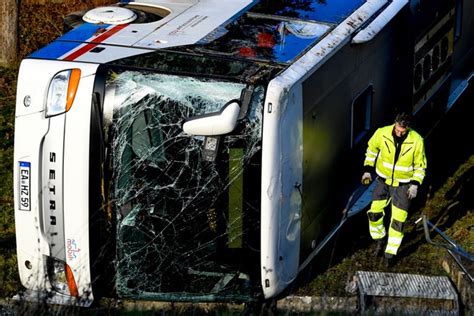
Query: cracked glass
(187, 226)
(266, 37)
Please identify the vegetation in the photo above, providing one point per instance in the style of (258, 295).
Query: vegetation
(450, 209)
(8, 270)
(7, 102)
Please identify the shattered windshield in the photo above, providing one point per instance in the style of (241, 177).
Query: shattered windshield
(187, 225)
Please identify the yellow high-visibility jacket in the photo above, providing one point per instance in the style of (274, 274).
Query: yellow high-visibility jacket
(411, 162)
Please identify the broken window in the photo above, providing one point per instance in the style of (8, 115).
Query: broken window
(187, 228)
(270, 38)
(278, 31)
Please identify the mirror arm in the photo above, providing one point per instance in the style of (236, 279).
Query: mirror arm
(245, 98)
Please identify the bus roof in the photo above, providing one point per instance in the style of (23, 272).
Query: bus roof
(276, 32)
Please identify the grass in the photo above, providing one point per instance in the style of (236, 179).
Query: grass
(8, 271)
(7, 107)
(450, 209)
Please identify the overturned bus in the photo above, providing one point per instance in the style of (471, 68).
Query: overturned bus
(198, 150)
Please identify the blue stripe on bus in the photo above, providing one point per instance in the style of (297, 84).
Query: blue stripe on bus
(83, 32)
(25, 164)
(68, 41)
(55, 50)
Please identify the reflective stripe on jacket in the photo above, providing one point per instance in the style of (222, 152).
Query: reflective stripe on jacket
(411, 163)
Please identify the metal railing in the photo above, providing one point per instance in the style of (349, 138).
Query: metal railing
(453, 248)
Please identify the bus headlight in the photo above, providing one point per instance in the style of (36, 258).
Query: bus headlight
(61, 277)
(62, 91)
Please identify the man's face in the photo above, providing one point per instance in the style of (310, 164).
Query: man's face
(400, 131)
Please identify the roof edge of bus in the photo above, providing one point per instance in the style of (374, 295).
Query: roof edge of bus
(330, 44)
(188, 23)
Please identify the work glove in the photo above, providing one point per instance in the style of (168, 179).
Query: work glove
(412, 191)
(367, 178)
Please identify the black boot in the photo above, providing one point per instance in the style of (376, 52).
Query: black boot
(379, 244)
(389, 260)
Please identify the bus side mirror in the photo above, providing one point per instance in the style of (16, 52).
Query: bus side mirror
(212, 124)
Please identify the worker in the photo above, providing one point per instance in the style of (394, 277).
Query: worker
(398, 155)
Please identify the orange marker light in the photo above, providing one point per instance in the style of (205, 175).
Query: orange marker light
(71, 283)
(74, 78)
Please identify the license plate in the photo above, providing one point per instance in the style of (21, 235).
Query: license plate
(24, 186)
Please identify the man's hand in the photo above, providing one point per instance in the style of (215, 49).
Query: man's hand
(366, 178)
(412, 191)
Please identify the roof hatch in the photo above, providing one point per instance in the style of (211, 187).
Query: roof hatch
(109, 15)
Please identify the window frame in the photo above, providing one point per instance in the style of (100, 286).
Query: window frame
(366, 96)
(458, 14)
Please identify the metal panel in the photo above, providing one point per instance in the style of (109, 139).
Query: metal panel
(405, 285)
(390, 288)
